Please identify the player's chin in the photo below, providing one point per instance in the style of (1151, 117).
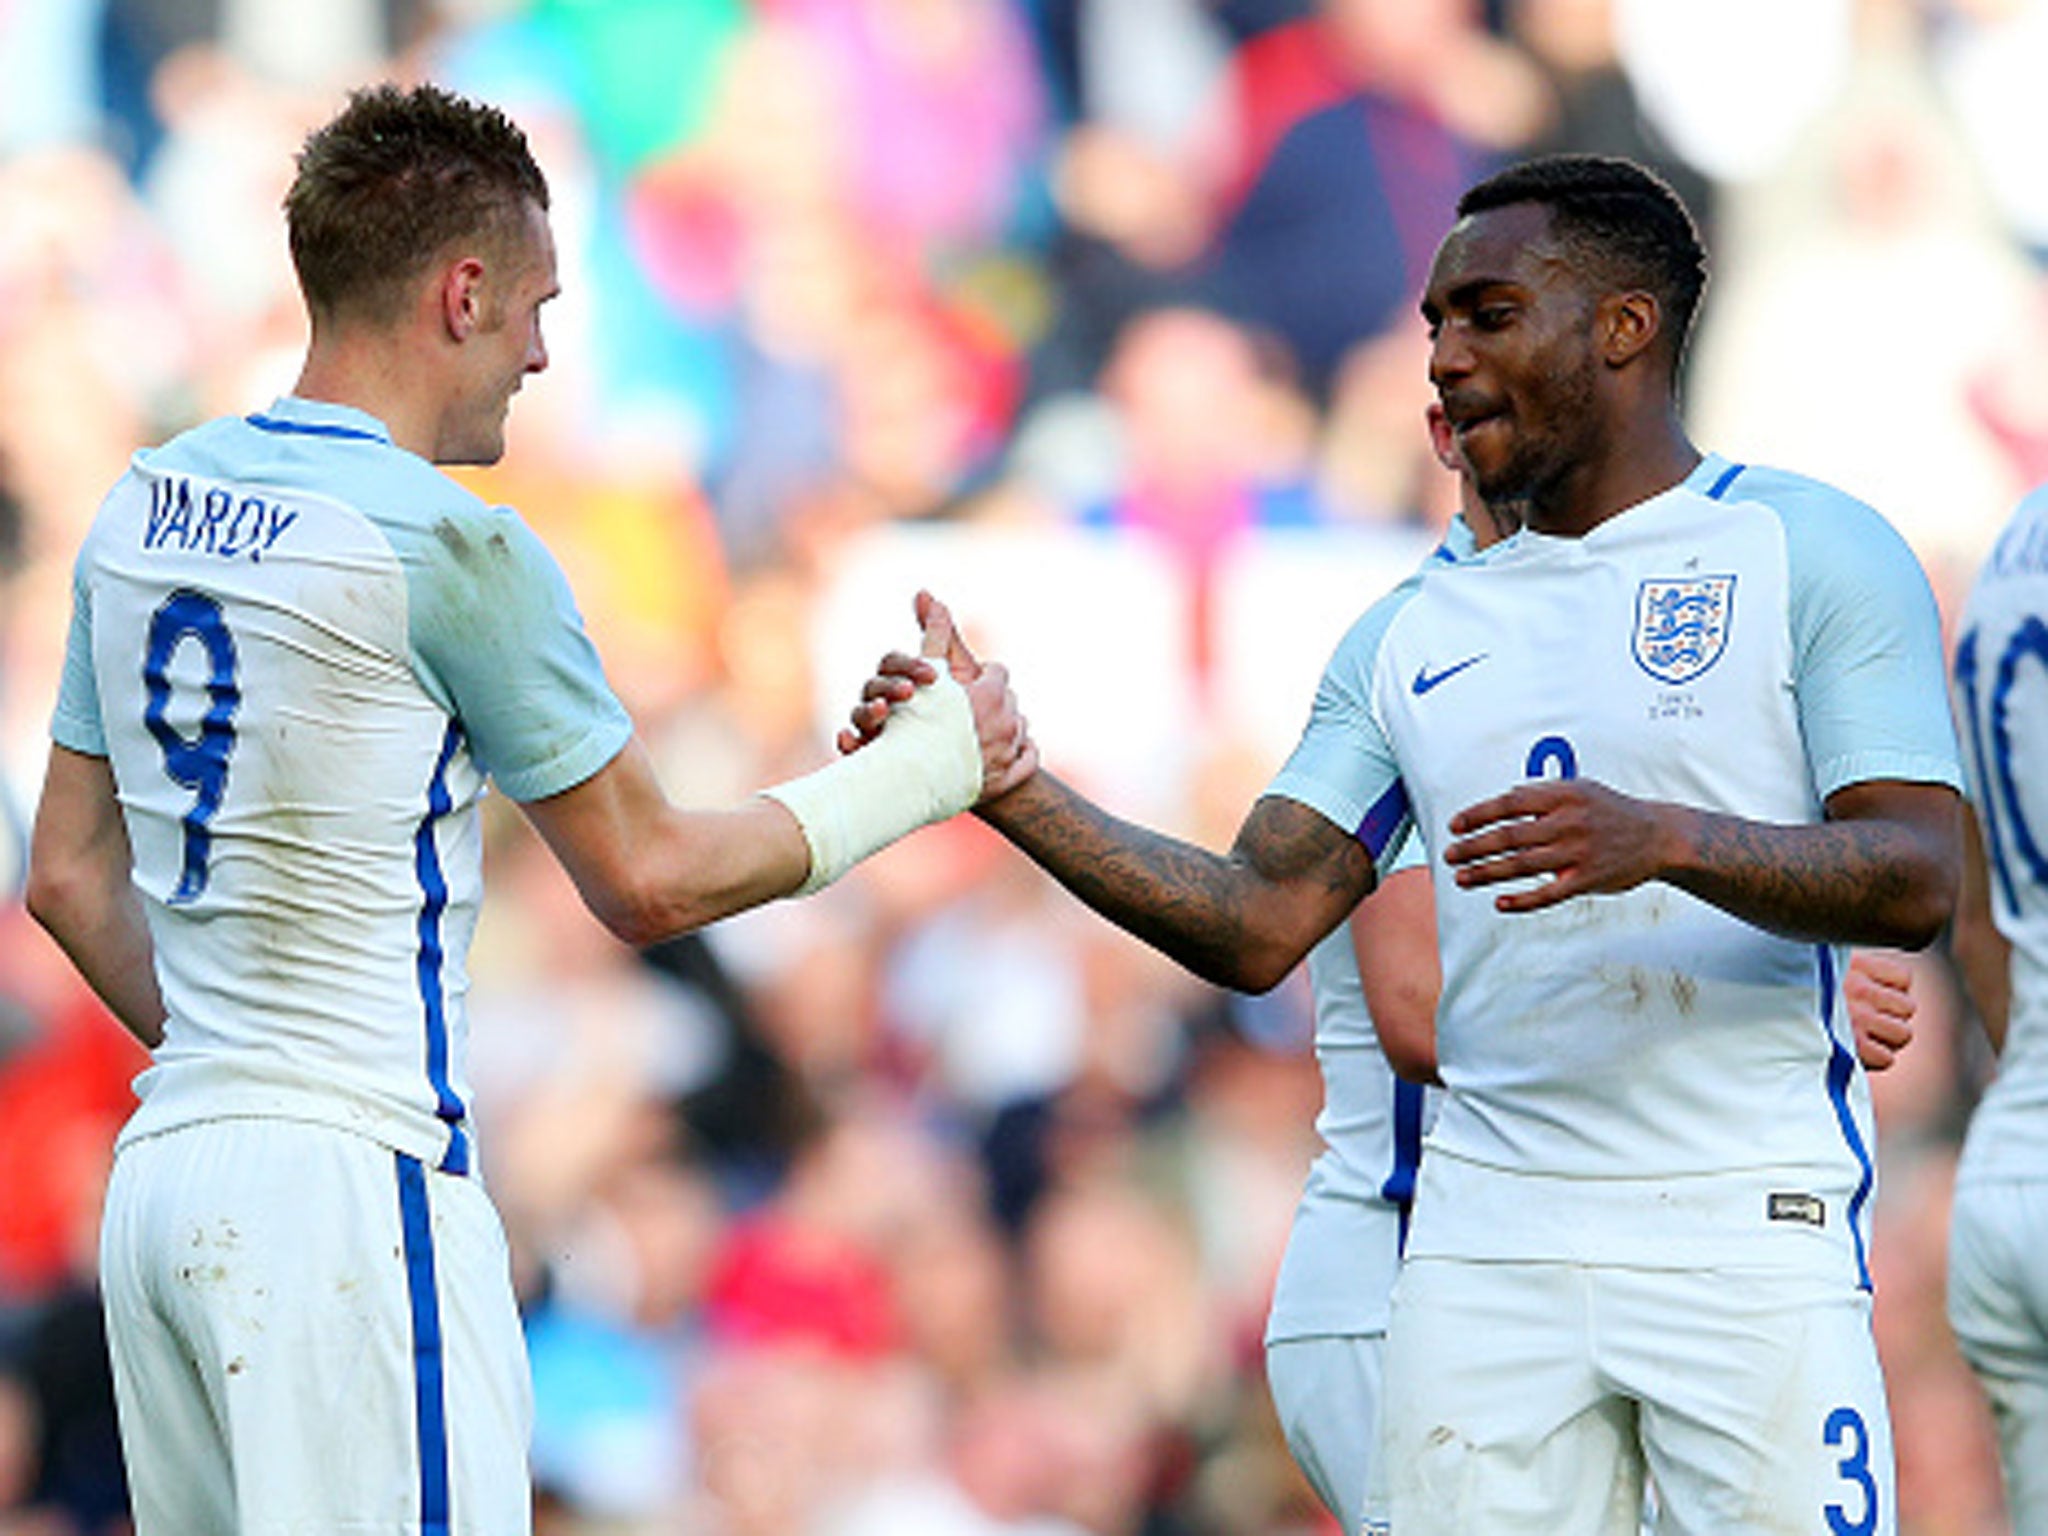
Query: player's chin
(484, 446)
(1505, 465)
(1500, 478)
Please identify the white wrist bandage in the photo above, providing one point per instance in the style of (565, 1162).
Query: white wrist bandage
(924, 767)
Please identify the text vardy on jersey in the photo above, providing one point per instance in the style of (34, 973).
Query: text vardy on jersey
(210, 520)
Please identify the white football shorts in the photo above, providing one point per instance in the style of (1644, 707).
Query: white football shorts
(311, 1333)
(1532, 1397)
(1998, 1306)
(1326, 1390)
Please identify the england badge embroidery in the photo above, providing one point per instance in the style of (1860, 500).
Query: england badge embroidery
(1682, 625)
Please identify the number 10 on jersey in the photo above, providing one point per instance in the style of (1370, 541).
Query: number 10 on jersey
(1986, 691)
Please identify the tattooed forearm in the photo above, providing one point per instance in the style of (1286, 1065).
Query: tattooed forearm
(1876, 881)
(1240, 920)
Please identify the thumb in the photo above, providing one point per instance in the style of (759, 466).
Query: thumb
(941, 639)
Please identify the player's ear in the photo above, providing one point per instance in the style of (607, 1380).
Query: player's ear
(1628, 325)
(461, 297)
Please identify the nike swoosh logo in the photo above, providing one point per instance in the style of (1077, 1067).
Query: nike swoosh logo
(1426, 680)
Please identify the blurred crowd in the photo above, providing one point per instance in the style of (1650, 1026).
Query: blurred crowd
(932, 1206)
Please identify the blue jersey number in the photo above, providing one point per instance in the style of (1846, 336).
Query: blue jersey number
(1987, 716)
(1551, 758)
(199, 763)
(1844, 1430)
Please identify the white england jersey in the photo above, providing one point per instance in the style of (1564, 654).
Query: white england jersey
(1749, 642)
(2001, 706)
(302, 649)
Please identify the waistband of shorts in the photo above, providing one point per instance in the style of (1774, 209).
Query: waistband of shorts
(179, 1094)
(1753, 1218)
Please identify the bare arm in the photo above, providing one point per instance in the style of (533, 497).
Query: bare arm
(1881, 869)
(1982, 953)
(649, 870)
(1242, 919)
(1393, 933)
(79, 888)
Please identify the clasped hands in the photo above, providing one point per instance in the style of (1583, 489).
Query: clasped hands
(1008, 754)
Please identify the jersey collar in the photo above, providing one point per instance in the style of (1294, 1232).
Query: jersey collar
(1712, 476)
(288, 414)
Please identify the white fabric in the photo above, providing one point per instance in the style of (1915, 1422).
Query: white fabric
(1327, 1393)
(1997, 1297)
(1645, 1094)
(924, 767)
(1998, 1248)
(302, 649)
(272, 1370)
(1326, 1326)
(1530, 1400)
(1648, 1034)
(2001, 704)
(1345, 1245)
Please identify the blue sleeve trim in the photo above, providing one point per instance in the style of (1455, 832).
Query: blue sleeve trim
(1384, 819)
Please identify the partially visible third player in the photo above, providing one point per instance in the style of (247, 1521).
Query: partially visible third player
(1998, 1246)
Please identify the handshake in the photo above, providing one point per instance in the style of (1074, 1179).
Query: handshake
(933, 735)
(1008, 755)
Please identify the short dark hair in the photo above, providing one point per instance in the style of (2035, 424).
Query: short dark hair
(391, 181)
(1624, 222)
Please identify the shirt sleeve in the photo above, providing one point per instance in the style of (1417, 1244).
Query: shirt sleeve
(76, 723)
(495, 628)
(1868, 669)
(1344, 766)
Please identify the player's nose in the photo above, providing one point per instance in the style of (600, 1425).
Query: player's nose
(1450, 359)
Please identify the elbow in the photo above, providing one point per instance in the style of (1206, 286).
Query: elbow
(641, 907)
(639, 918)
(1913, 936)
(1921, 912)
(636, 912)
(1261, 951)
(1915, 927)
(37, 898)
(1257, 967)
(51, 897)
(1926, 904)
(636, 928)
